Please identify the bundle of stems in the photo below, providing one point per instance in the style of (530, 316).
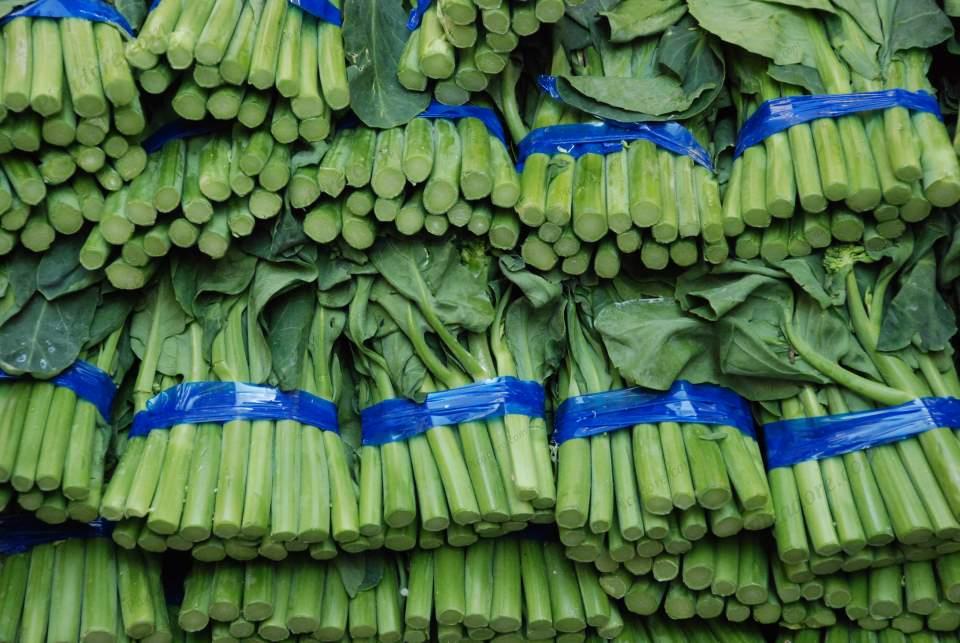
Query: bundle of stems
(906, 491)
(241, 51)
(491, 475)
(298, 599)
(905, 597)
(894, 158)
(53, 443)
(286, 120)
(463, 45)
(82, 590)
(845, 631)
(56, 193)
(259, 481)
(649, 482)
(66, 80)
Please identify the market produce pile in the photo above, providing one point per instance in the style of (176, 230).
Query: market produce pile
(450, 320)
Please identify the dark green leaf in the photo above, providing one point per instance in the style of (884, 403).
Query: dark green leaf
(635, 18)
(46, 336)
(539, 289)
(536, 337)
(60, 272)
(800, 75)
(288, 320)
(374, 33)
(19, 271)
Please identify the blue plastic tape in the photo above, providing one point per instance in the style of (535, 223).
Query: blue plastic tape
(321, 9)
(608, 137)
(793, 441)
(456, 112)
(586, 415)
(219, 402)
(87, 381)
(399, 419)
(21, 532)
(93, 10)
(780, 114)
(180, 129)
(416, 14)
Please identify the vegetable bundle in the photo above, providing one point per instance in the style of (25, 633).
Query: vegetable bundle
(242, 478)
(432, 174)
(82, 590)
(241, 57)
(896, 162)
(649, 481)
(65, 80)
(427, 323)
(462, 45)
(844, 631)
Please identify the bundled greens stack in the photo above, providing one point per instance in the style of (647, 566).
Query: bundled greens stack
(66, 81)
(321, 601)
(206, 191)
(246, 483)
(434, 174)
(56, 430)
(844, 631)
(245, 59)
(895, 162)
(74, 585)
(462, 45)
(907, 597)
(427, 323)
(808, 337)
(653, 486)
(725, 579)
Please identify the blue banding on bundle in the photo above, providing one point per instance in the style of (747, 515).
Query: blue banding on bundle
(21, 532)
(87, 381)
(608, 137)
(416, 14)
(92, 10)
(586, 415)
(456, 112)
(400, 419)
(179, 129)
(219, 402)
(790, 442)
(321, 9)
(779, 114)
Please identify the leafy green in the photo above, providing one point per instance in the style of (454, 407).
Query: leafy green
(60, 272)
(288, 320)
(636, 18)
(46, 337)
(360, 572)
(374, 33)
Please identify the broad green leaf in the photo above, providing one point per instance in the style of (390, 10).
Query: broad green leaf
(635, 18)
(536, 337)
(60, 272)
(374, 33)
(918, 312)
(289, 319)
(46, 336)
(171, 319)
(115, 306)
(799, 75)
(912, 24)
(360, 572)
(19, 270)
(539, 289)
(775, 31)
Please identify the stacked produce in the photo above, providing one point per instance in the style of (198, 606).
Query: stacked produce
(72, 584)
(462, 46)
(447, 594)
(843, 631)
(446, 170)
(895, 161)
(630, 486)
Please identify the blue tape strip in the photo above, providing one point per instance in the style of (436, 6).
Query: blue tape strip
(180, 129)
(219, 402)
(586, 415)
(608, 137)
(793, 441)
(87, 381)
(400, 419)
(21, 532)
(779, 114)
(456, 112)
(93, 10)
(321, 9)
(416, 14)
